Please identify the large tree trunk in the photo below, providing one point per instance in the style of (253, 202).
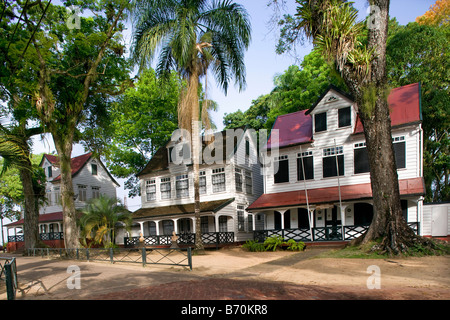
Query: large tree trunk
(71, 232)
(388, 223)
(31, 209)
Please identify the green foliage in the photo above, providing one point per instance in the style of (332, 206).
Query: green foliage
(254, 246)
(296, 89)
(419, 53)
(273, 243)
(295, 246)
(137, 125)
(100, 219)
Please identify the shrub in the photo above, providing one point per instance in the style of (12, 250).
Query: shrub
(254, 246)
(295, 246)
(273, 242)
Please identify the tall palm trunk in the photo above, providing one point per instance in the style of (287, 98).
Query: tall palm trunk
(192, 104)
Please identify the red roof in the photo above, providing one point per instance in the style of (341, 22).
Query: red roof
(296, 128)
(331, 194)
(48, 217)
(404, 106)
(77, 163)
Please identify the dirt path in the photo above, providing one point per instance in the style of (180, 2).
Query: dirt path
(235, 274)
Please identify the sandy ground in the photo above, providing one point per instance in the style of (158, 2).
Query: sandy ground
(406, 278)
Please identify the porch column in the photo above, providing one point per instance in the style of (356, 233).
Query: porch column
(254, 222)
(343, 210)
(216, 222)
(141, 223)
(193, 224)
(157, 226)
(175, 225)
(311, 222)
(282, 218)
(59, 227)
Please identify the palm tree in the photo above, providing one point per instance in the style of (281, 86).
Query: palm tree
(100, 219)
(15, 151)
(192, 37)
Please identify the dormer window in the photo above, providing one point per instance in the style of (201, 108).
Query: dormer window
(345, 117)
(320, 122)
(49, 171)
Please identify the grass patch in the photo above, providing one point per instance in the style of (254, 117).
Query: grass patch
(366, 251)
(353, 252)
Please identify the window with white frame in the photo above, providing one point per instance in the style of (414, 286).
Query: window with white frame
(282, 174)
(182, 186)
(305, 164)
(250, 222)
(238, 178)
(202, 182)
(150, 189)
(218, 179)
(166, 188)
(94, 169)
(400, 151)
(57, 194)
(82, 192)
(360, 158)
(248, 182)
(240, 218)
(333, 161)
(95, 192)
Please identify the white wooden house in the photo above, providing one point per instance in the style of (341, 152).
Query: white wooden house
(90, 179)
(230, 180)
(322, 188)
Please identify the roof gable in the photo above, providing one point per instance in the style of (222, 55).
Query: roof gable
(160, 160)
(296, 128)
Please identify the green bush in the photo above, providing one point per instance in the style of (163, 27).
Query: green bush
(254, 246)
(273, 242)
(295, 246)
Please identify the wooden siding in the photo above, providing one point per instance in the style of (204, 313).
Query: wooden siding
(84, 177)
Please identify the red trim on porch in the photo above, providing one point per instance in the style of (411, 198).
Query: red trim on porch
(413, 186)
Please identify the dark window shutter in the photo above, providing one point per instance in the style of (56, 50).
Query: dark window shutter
(344, 117)
(309, 168)
(361, 160)
(320, 122)
(329, 166)
(283, 172)
(400, 154)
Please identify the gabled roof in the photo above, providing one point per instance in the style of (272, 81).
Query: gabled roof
(160, 160)
(77, 163)
(404, 106)
(296, 128)
(330, 87)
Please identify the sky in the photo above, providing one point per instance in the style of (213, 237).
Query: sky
(262, 65)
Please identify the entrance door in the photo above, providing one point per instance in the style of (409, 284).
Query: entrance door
(333, 224)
